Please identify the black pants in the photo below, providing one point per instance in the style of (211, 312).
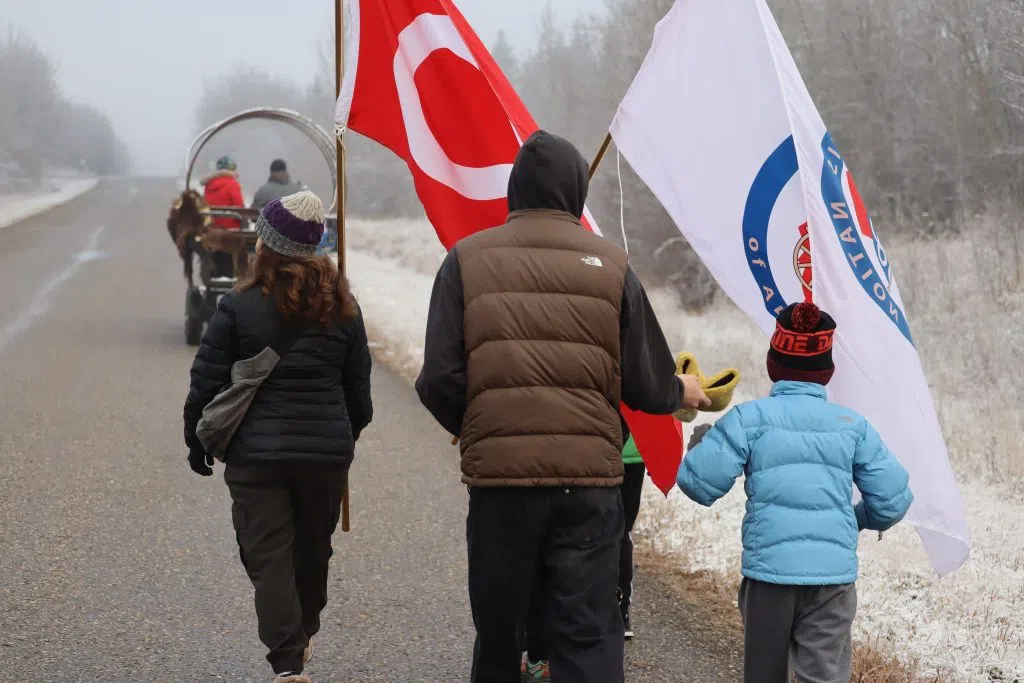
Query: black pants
(284, 516)
(531, 636)
(566, 543)
(632, 488)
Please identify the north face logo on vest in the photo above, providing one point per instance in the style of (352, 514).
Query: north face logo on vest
(592, 261)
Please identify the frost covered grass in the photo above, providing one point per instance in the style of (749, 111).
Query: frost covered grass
(872, 665)
(966, 302)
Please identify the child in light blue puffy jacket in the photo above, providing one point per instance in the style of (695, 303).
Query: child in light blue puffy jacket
(801, 457)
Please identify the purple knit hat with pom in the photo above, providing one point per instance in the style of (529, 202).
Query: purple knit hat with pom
(292, 225)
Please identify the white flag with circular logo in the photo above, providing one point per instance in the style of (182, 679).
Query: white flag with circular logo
(720, 125)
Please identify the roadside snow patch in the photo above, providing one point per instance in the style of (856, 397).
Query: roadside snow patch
(15, 208)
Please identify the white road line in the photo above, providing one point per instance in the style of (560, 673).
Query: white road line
(40, 304)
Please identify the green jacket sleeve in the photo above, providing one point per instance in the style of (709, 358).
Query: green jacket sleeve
(630, 454)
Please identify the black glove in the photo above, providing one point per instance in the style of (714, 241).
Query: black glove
(698, 435)
(201, 463)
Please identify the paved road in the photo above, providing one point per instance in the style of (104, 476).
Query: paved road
(117, 563)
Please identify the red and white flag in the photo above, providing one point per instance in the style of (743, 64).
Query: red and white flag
(419, 81)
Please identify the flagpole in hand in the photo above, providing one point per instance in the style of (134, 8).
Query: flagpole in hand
(339, 72)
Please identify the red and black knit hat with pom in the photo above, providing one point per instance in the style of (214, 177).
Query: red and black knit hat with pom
(801, 348)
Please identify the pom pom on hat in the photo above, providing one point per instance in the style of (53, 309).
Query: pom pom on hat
(305, 206)
(806, 317)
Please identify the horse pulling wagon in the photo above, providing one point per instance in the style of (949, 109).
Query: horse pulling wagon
(223, 255)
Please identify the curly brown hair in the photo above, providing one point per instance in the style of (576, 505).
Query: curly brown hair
(305, 290)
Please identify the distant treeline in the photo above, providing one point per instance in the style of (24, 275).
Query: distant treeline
(40, 127)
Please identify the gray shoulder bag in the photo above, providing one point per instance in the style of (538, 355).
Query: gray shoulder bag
(224, 414)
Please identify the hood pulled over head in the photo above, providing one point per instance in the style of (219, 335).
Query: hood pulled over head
(549, 173)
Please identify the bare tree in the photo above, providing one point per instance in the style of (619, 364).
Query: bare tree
(30, 103)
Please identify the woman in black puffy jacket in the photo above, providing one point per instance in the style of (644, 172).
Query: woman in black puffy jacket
(287, 464)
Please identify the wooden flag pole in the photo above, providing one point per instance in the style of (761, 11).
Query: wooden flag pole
(600, 155)
(339, 61)
(339, 74)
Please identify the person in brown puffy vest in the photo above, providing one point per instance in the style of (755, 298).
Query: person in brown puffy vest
(537, 330)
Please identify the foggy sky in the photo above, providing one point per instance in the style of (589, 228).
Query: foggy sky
(143, 62)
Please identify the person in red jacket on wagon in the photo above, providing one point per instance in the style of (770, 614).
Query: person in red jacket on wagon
(223, 189)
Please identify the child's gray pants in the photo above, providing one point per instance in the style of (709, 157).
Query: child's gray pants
(808, 627)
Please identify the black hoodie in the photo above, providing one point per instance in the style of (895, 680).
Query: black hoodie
(549, 174)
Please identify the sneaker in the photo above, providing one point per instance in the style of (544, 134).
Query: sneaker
(625, 620)
(288, 677)
(537, 671)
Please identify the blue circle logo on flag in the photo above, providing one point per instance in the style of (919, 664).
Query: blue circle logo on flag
(850, 220)
(768, 185)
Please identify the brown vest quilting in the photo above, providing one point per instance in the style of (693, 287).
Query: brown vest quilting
(542, 299)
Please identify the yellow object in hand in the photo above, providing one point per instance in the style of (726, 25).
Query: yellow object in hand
(719, 387)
